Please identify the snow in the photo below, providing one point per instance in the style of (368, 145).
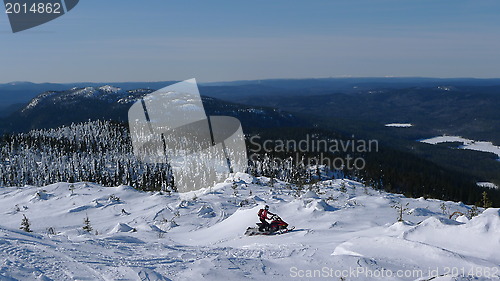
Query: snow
(483, 146)
(254, 110)
(123, 227)
(446, 88)
(199, 235)
(442, 139)
(488, 185)
(399, 125)
(109, 89)
(35, 101)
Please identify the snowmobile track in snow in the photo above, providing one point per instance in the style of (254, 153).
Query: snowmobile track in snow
(25, 255)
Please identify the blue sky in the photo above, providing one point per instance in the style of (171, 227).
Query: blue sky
(157, 40)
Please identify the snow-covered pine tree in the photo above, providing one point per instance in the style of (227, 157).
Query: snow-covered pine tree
(25, 224)
(97, 151)
(86, 225)
(401, 209)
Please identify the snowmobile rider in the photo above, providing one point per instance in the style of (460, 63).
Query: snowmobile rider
(263, 217)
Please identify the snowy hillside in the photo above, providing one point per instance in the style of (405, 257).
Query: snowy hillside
(342, 229)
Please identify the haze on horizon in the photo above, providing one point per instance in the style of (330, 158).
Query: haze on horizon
(226, 41)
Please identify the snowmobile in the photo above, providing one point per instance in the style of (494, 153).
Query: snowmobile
(277, 226)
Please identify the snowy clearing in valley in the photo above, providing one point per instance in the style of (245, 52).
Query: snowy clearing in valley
(399, 125)
(483, 146)
(488, 185)
(341, 228)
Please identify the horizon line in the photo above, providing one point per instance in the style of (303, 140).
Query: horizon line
(263, 79)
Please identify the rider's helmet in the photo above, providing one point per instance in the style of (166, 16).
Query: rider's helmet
(266, 207)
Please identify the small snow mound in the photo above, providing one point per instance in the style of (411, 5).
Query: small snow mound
(400, 226)
(206, 212)
(462, 219)
(316, 205)
(422, 212)
(149, 274)
(42, 195)
(342, 250)
(244, 178)
(97, 204)
(256, 198)
(172, 224)
(122, 227)
(487, 222)
(437, 222)
(154, 228)
(321, 205)
(310, 194)
(494, 212)
(80, 209)
(124, 239)
(125, 188)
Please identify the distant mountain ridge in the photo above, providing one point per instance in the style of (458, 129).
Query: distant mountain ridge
(21, 92)
(52, 109)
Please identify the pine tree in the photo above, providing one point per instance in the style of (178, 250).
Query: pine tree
(401, 209)
(472, 212)
(234, 186)
(443, 208)
(25, 224)
(342, 187)
(485, 201)
(272, 179)
(51, 231)
(86, 225)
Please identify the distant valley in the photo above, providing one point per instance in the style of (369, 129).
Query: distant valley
(395, 111)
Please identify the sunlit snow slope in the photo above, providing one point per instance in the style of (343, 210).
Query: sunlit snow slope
(341, 228)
